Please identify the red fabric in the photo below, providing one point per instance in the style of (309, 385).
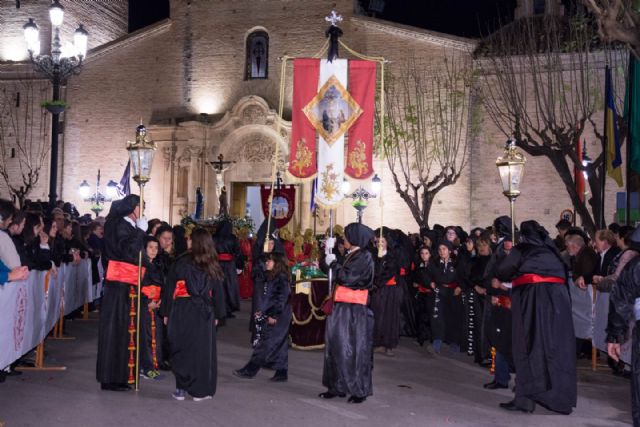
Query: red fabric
(118, 271)
(302, 154)
(152, 292)
(288, 251)
(504, 301)
(362, 87)
(352, 296)
(526, 279)
(424, 290)
(244, 279)
(392, 281)
(225, 257)
(403, 272)
(450, 285)
(287, 193)
(181, 290)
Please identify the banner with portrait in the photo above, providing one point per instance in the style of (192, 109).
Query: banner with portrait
(284, 203)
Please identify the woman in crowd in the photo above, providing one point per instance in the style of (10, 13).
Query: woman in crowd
(348, 361)
(386, 298)
(195, 284)
(272, 318)
(448, 313)
(424, 285)
(33, 244)
(228, 249)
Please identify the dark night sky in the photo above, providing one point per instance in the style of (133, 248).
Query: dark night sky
(469, 18)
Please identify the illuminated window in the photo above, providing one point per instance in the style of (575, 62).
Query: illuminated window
(257, 56)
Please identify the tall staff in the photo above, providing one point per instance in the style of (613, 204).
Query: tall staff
(141, 153)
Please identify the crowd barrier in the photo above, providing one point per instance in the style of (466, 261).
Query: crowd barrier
(30, 309)
(590, 316)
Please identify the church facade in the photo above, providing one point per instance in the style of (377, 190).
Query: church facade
(206, 83)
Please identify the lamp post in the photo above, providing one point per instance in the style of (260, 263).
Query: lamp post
(98, 198)
(511, 169)
(361, 196)
(58, 67)
(141, 153)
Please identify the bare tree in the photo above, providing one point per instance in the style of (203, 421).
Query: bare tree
(427, 122)
(618, 20)
(23, 149)
(543, 82)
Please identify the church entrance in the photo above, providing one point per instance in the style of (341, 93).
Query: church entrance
(246, 201)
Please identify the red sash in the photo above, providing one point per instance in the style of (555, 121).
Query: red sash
(527, 279)
(152, 292)
(504, 301)
(181, 290)
(451, 285)
(225, 257)
(352, 296)
(118, 271)
(391, 282)
(424, 290)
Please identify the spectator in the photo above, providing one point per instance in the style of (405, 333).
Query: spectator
(8, 253)
(33, 244)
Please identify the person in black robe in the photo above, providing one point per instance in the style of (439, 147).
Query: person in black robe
(405, 251)
(195, 306)
(422, 278)
(446, 322)
(258, 271)
(623, 308)
(151, 322)
(228, 249)
(272, 318)
(386, 298)
(33, 244)
(348, 356)
(124, 237)
(543, 336)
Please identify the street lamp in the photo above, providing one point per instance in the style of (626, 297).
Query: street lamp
(511, 169)
(361, 196)
(98, 198)
(58, 67)
(141, 153)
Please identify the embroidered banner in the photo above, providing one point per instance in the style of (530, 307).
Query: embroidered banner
(302, 154)
(362, 87)
(284, 203)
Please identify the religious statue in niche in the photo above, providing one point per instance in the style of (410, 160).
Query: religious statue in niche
(257, 55)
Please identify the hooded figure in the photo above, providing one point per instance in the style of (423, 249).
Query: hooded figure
(348, 358)
(124, 234)
(543, 336)
(624, 299)
(228, 248)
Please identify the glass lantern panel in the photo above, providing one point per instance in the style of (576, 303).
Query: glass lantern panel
(141, 162)
(56, 15)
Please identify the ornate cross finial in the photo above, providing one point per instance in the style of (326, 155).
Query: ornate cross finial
(333, 18)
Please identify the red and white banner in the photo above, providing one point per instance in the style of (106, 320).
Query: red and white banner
(362, 87)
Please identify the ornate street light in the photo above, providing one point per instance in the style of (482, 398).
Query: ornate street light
(141, 153)
(361, 196)
(98, 198)
(511, 169)
(58, 67)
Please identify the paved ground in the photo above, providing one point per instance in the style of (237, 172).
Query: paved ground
(413, 388)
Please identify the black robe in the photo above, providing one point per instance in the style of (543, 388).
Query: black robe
(153, 277)
(386, 301)
(227, 244)
(424, 300)
(543, 336)
(192, 330)
(123, 242)
(32, 254)
(447, 319)
(477, 275)
(348, 357)
(272, 349)
(621, 312)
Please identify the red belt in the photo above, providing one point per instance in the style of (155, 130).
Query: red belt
(181, 290)
(391, 282)
(225, 257)
(352, 296)
(119, 271)
(527, 279)
(403, 272)
(424, 290)
(152, 292)
(452, 285)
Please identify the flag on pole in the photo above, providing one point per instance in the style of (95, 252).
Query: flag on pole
(614, 155)
(124, 186)
(632, 111)
(579, 176)
(314, 188)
